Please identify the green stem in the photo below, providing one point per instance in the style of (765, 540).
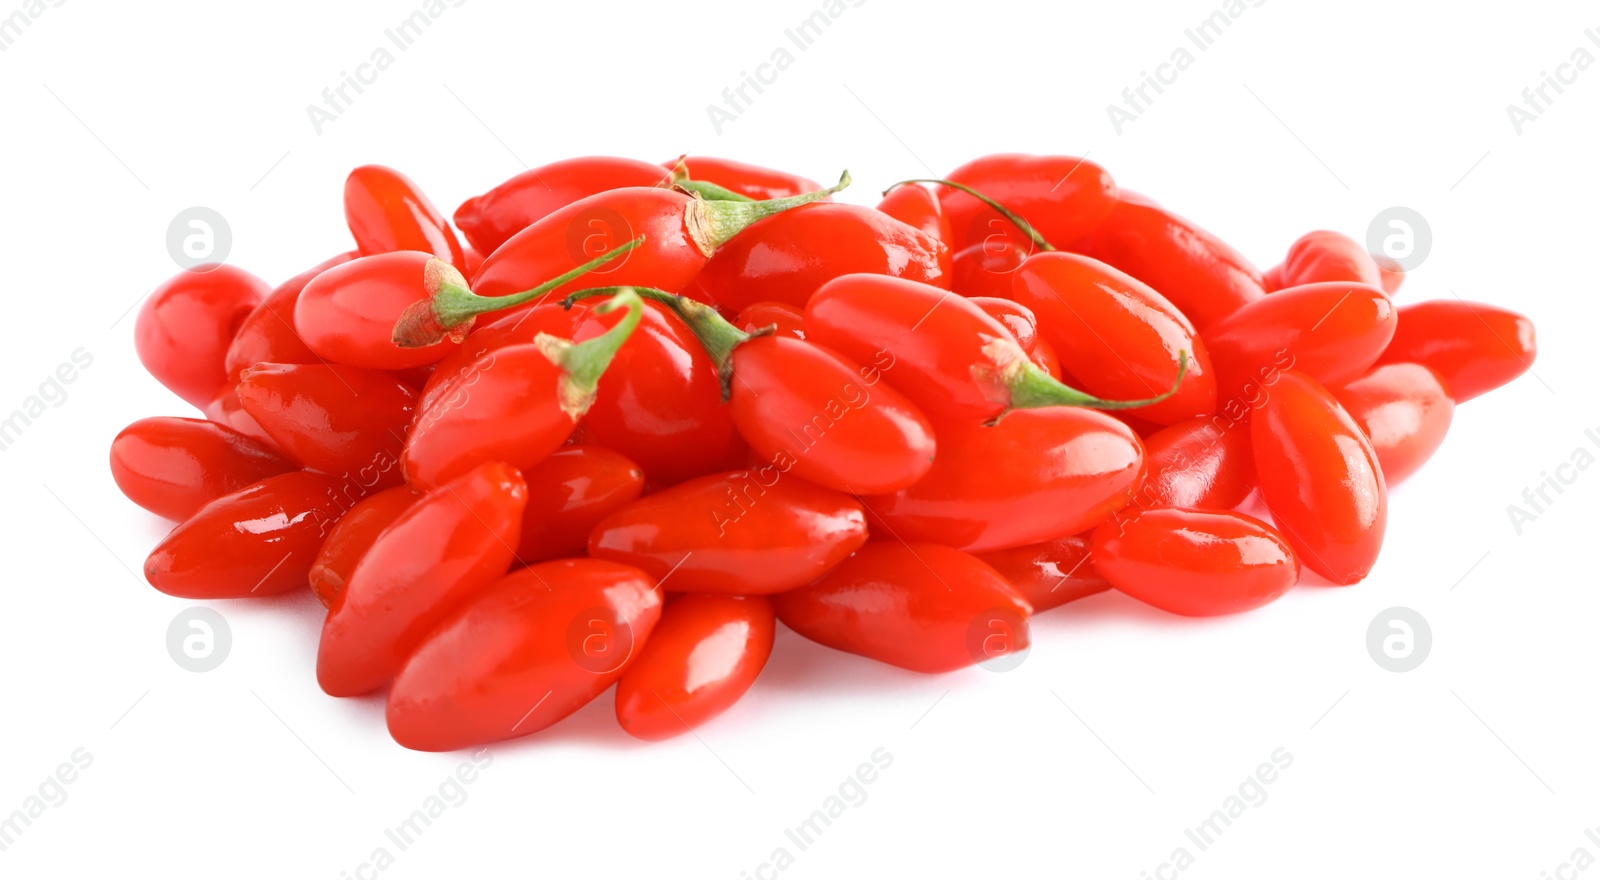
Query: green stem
(451, 304)
(717, 336)
(1014, 217)
(582, 364)
(711, 191)
(1031, 387)
(703, 188)
(712, 223)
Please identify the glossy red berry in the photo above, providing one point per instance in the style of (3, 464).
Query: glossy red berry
(173, 467)
(1320, 478)
(701, 658)
(923, 607)
(1196, 563)
(746, 532)
(185, 326)
(527, 652)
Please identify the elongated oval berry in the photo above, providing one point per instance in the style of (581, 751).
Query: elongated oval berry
(778, 258)
(1329, 256)
(502, 407)
(1196, 271)
(1040, 474)
(173, 467)
(918, 207)
(1472, 347)
(353, 536)
(745, 532)
(344, 421)
(1320, 478)
(1063, 197)
(569, 493)
(700, 659)
(387, 212)
(923, 607)
(1332, 332)
(680, 234)
(185, 326)
(258, 541)
(812, 413)
(1198, 463)
(949, 356)
(1404, 410)
(267, 335)
(1119, 338)
(347, 314)
(526, 653)
(1196, 563)
(442, 550)
(488, 220)
(1050, 574)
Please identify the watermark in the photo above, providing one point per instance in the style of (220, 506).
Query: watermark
(1402, 234)
(1137, 98)
(852, 792)
(1255, 392)
(595, 232)
(451, 793)
(52, 792)
(52, 394)
(1580, 859)
(1399, 639)
(13, 25)
(1252, 792)
(1538, 498)
(199, 239)
(1537, 98)
(997, 639)
(336, 99)
(199, 639)
(600, 640)
(454, 393)
(737, 99)
(354, 488)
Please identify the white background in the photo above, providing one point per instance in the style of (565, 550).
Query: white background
(1123, 727)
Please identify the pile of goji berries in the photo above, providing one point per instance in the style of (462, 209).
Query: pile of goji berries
(647, 411)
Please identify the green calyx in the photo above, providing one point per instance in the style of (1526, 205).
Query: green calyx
(712, 222)
(451, 305)
(717, 336)
(702, 188)
(710, 191)
(1026, 385)
(583, 363)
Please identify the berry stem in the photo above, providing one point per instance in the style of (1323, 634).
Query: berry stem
(451, 305)
(717, 336)
(712, 222)
(1014, 217)
(583, 363)
(1030, 387)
